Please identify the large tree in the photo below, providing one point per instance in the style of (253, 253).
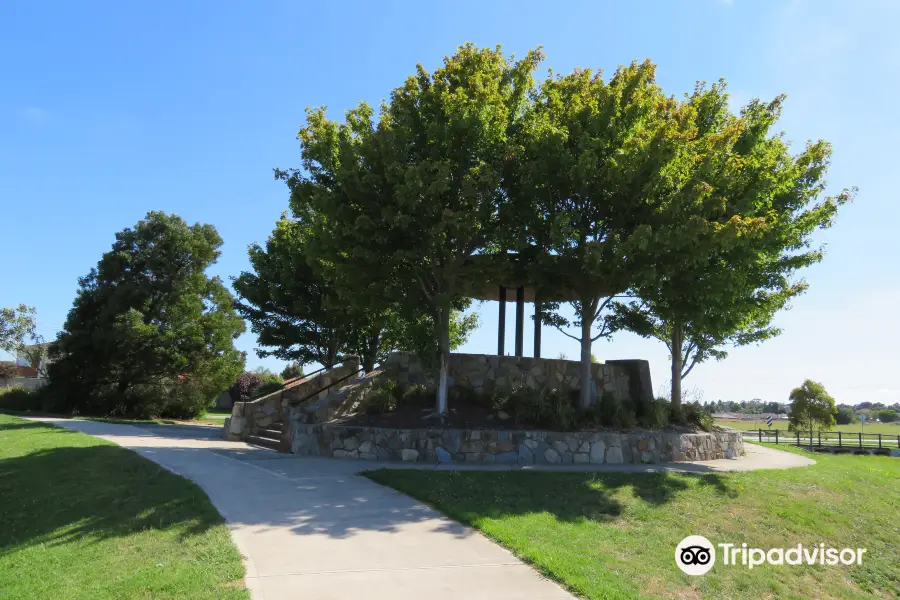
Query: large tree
(739, 213)
(591, 154)
(149, 333)
(305, 309)
(410, 200)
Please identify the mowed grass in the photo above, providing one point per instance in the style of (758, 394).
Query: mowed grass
(870, 427)
(83, 518)
(613, 535)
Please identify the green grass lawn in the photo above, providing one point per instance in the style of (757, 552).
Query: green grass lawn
(83, 518)
(613, 535)
(883, 428)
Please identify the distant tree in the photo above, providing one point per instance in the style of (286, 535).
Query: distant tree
(149, 333)
(845, 415)
(887, 416)
(292, 371)
(742, 211)
(17, 328)
(811, 408)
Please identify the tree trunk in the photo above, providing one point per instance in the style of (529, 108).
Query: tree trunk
(444, 345)
(677, 342)
(587, 311)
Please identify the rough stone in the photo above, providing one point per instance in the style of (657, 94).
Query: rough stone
(526, 457)
(366, 447)
(614, 455)
(351, 443)
(408, 454)
(580, 457)
(551, 456)
(598, 453)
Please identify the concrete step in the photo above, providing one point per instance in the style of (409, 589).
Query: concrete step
(265, 441)
(272, 431)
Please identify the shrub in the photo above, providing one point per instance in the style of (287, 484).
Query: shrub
(653, 414)
(292, 371)
(415, 395)
(245, 386)
(696, 414)
(20, 399)
(383, 398)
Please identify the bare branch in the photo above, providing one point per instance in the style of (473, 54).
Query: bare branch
(577, 339)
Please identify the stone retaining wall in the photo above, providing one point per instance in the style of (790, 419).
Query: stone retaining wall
(488, 374)
(247, 418)
(512, 447)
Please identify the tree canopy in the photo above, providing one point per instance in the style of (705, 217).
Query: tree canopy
(738, 226)
(149, 333)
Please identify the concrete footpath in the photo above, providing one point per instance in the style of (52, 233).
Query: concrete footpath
(312, 528)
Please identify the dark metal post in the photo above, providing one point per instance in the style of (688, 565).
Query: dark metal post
(860, 440)
(840, 440)
(879, 441)
(520, 320)
(760, 435)
(820, 440)
(798, 438)
(776, 436)
(537, 329)
(501, 325)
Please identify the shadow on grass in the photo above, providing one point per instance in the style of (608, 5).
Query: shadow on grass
(62, 494)
(570, 496)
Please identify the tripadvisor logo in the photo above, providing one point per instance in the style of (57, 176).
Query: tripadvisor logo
(696, 555)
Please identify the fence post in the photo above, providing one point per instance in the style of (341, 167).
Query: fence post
(798, 438)
(760, 435)
(820, 439)
(860, 440)
(776, 436)
(898, 441)
(879, 441)
(840, 440)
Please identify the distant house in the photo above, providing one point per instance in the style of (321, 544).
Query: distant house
(18, 371)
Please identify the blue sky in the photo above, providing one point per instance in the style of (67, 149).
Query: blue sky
(111, 109)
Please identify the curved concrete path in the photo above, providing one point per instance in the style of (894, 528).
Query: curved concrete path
(311, 528)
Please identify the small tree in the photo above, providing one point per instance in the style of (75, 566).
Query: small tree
(17, 325)
(811, 408)
(292, 371)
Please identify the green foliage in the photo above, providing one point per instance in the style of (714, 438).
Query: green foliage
(405, 204)
(292, 371)
(16, 326)
(696, 414)
(845, 415)
(269, 381)
(383, 398)
(811, 408)
(16, 398)
(415, 395)
(150, 334)
(887, 416)
(737, 212)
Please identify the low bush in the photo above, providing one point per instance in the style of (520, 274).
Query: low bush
(415, 395)
(20, 399)
(383, 398)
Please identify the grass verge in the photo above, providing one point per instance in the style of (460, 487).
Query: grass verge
(83, 518)
(613, 535)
